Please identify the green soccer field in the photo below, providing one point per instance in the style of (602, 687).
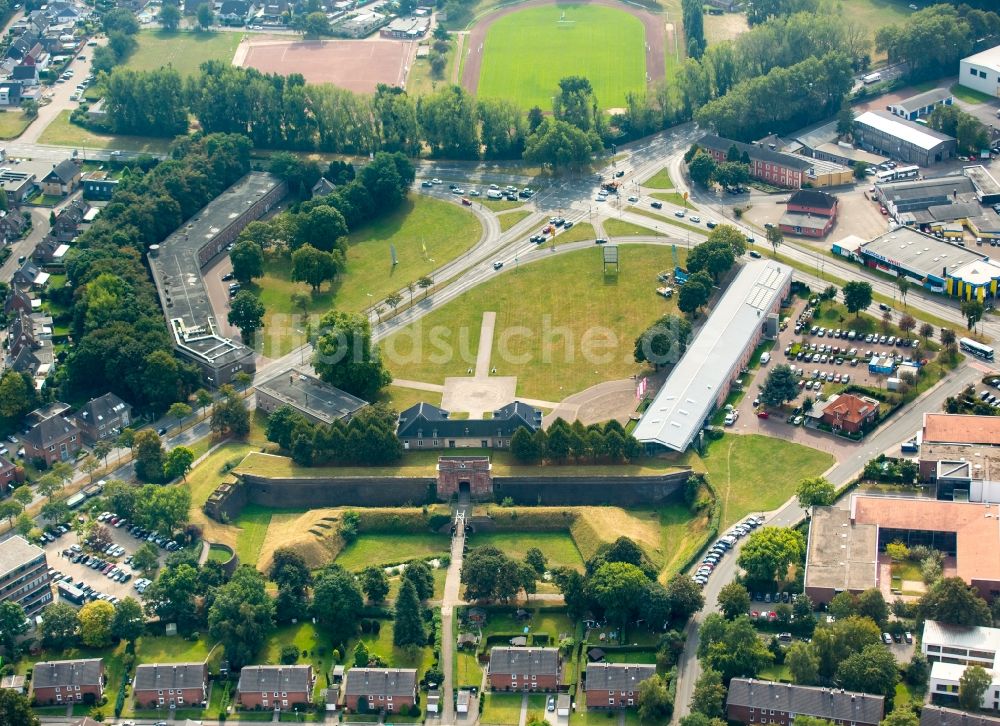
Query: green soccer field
(527, 52)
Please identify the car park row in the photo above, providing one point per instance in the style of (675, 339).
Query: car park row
(722, 546)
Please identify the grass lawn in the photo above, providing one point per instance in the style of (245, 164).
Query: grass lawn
(875, 14)
(571, 295)
(217, 553)
(424, 463)
(558, 547)
(499, 205)
(60, 132)
(253, 523)
(527, 52)
(391, 549)
(183, 50)
(673, 198)
(174, 649)
(576, 233)
(776, 673)
(550, 621)
(402, 398)
(380, 644)
(671, 220)
(501, 709)
(420, 81)
(754, 473)
(681, 535)
(307, 639)
(970, 95)
(621, 228)
(444, 228)
(13, 124)
(660, 180)
(509, 219)
(468, 672)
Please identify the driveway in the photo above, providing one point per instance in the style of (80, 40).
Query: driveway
(58, 96)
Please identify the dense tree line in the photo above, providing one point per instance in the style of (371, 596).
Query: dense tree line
(563, 442)
(968, 130)
(367, 438)
(693, 14)
(933, 40)
(121, 343)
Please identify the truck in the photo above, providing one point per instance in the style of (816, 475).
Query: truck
(70, 592)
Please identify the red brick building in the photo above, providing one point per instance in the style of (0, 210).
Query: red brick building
(166, 685)
(67, 681)
(750, 701)
(276, 687)
(850, 413)
(384, 689)
(773, 167)
(809, 213)
(615, 685)
(523, 669)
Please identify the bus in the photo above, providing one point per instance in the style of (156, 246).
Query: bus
(977, 349)
(897, 174)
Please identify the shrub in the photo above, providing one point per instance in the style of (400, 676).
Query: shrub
(289, 654)
(414, 710)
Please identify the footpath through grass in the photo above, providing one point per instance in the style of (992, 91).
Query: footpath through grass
(562, 324)
(753, 473)
(185, 51)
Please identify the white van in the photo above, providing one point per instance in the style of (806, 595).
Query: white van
(765, 358)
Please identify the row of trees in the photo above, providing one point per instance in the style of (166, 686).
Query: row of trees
(563, 442)
(367, 438)
(970, 133)
(121, 344)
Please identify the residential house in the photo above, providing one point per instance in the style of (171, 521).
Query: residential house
(25, 42)
(25, 73)
(52, 439)
(810, 213)
(12, 224)
(523, 669)
(10, 93)
(615, 685)
(278, 687)
(59, 13)
(751, 701)
(68, 681)
(424, 426)
(24, 575)
(103, 418)
(21, 335)
(274, 12)
(31, 275)
(18, 185)
(323, 187)
(932, 715)
(50, 251)
(9, 475)
(98, 186)
(172, 685)
(63, 179)
(69, 219)
(850, 413)
(236, 12)
(20, 300)
(385, 689)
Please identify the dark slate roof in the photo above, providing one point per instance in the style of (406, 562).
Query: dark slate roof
(235, 7)
(617, 676)
(275, 678)
(940, 716)
(524, 661)
(67, 673)
(380, 682)
(103, 408)
(323, 187)
(432, 422)
(813, 198)
(65, 170)
(829, 703)
(717, 143)
(24, 72)
(157, 676)
(26, 361)
(49, 430)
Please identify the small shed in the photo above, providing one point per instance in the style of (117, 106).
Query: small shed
(595, 655)
(467, 640)
(462, 702)
(519, 642)
(338, 673)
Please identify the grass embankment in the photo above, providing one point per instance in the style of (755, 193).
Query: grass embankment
(509, 219)
(571, 295)
(60, 132)
(426, 233)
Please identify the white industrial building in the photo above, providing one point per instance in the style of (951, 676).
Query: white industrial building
(981, 72)
(701, 379)
(952, 648)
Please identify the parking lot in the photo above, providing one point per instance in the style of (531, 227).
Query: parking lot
(64, 549)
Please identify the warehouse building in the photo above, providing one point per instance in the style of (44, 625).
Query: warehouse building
(177, 263)
(936, 264)
(884, 133)
(923, 104)
(702, 378)
(945, 205)
(981, 72)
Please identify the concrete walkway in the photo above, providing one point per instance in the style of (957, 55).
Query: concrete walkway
(485, 351)
(452, 597)
(523, 718)
(418, 385)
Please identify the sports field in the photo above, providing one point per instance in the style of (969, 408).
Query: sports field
(525, 53)
(184, 50)
(357, 65)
